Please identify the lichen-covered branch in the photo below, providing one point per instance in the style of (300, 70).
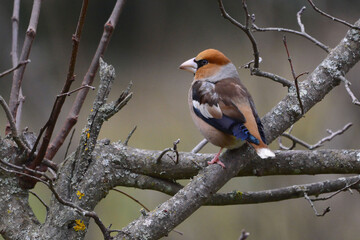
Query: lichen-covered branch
(15, 210)
(286, 193)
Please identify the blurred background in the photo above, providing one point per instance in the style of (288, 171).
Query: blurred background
(150, 41)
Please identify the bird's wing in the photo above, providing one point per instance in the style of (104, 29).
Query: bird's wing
(232, 91)
(224, 105)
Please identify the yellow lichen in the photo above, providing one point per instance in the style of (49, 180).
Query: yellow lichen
(80, 226)
(80, 194)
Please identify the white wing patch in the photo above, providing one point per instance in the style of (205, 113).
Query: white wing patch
(204, 108)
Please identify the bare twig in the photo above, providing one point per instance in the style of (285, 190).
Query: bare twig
(59, 102)
(129, 136)
(200, 145)
(294, 76)
(173, 149)
(347, 187)
(123, 99)
(326, 210)
(75, 90)
(245, 28)
(283, 147)
(298, 16)
(42, 201)
(274, 77)
(15, 57)
(15, 33)
(19, 73)
(321, 141)
(14, 68)
(88, 79)
(301, 33)
(33, 150)
(22, 145)
(132, 198)
(244, 235)
(331, 17)
(347, 84)
(68, 146)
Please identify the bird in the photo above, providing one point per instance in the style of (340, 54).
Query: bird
(221, 106)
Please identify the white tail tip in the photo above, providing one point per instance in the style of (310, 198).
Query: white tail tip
(265, 153)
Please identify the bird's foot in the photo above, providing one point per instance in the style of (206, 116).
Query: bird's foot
(217, 160)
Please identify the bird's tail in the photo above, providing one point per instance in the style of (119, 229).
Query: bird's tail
(265, 152)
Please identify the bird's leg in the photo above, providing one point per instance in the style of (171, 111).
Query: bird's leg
(217, 160)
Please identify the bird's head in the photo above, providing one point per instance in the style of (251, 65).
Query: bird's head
(206, 64)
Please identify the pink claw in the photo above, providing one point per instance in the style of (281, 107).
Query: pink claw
(217, 160)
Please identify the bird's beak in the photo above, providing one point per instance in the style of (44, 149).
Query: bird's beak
(190, 65)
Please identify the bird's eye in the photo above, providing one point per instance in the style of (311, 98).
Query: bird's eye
(202, 62)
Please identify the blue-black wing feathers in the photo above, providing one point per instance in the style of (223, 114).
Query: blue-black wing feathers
(229, 126)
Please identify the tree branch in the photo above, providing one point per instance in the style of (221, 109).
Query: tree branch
(14, 68)
(19, 73)
(347, 84)
(321, 141)
(245, 28)
(274, 77)
(286, 193)
(59, 102)
(22, 145)
(88, 80)
(302, 32)
(331, 17)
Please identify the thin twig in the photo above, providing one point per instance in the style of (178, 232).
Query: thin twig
(132, 198)
(199, 146)
(14, 55)
(68, 146)
(321, 141)
(137, 201)
(347, 187)
(274, 77)
(347, 84)
(88, 79)
(298, 16)
(22, 145)
(301, 33)
(33, 150)
(15, 33)
(42, 201)
(173, 149)
(19, 73)
(326, 210)
(59, 102)
(294, 76)
(129, 136)
(331, 17)
(14, 68)
(75, 90)
(245, 28)
(248, 64)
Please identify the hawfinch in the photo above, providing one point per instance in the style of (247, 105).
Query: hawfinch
(221, 106)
